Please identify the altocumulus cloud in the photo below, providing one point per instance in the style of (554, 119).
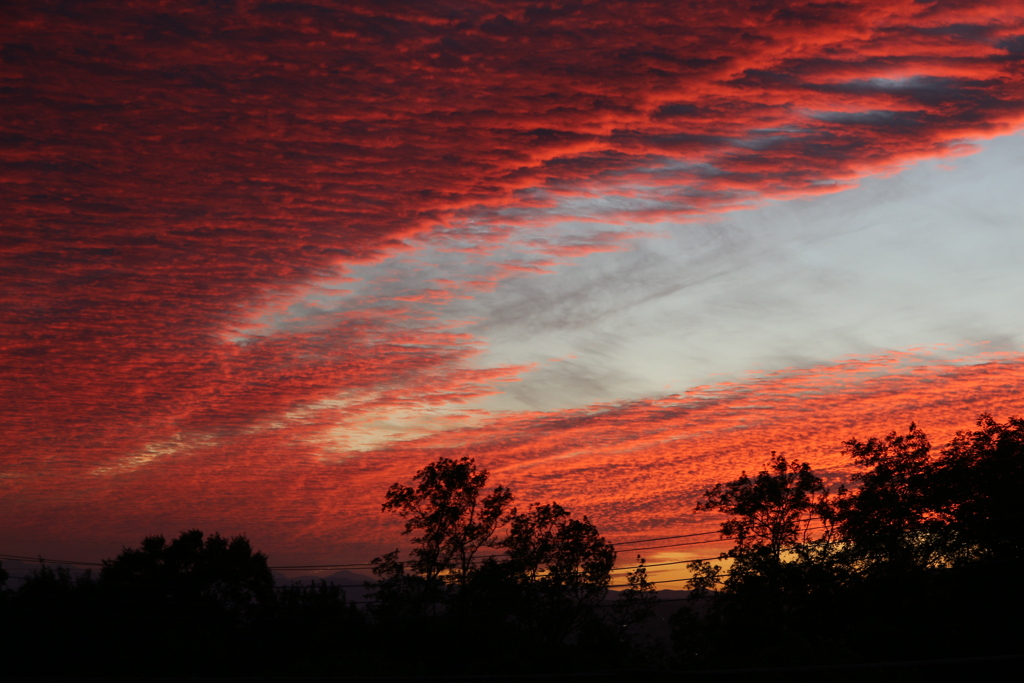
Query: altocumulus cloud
(173, 175)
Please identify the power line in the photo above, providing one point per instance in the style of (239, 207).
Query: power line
(676, 545)
(475, 560)
(356, 565)
(666, 538)
(487, 557)
(665, 564)
(362, 565)
(42, 560)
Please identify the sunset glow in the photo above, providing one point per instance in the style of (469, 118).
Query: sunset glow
(260, 261)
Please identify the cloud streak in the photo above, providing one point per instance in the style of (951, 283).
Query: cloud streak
(187, 189)
(635, 467)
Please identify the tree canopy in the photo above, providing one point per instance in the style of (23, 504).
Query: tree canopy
(920, 546)
(452, 514)
(547, 571)
(192, 567)
(914, 554)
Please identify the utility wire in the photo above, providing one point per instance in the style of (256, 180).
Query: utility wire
(359, 565)
(665, 538)
(354, 565)
(41, 559)
(363, 565)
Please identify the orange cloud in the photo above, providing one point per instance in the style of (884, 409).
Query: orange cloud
(173, 173)
(636, 468)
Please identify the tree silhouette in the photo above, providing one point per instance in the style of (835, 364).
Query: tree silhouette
(554, 573)
(447, 507)
(636, 603)
(192, 568)
(921, 549)
(976, 487)
(887, 522)
(768, 513)
(920, 559)
(47, 583)
(546, 545)
(563, 567)
(453, 517)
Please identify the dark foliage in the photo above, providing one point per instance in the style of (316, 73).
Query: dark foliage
(560, 567)
(199, 605)
(538, 592)
(453, 518)
(919, 559)
(223, 573)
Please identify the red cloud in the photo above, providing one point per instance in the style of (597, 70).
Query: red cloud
(173, 173)
(636, 468)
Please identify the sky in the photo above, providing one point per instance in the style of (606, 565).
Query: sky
(260, 260)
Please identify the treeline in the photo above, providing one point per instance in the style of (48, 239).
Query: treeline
(487, 587)
(199, 605)
(920, 559)
(917, 558)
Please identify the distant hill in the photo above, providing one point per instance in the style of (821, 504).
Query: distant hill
(19, 570)
(351, 582)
